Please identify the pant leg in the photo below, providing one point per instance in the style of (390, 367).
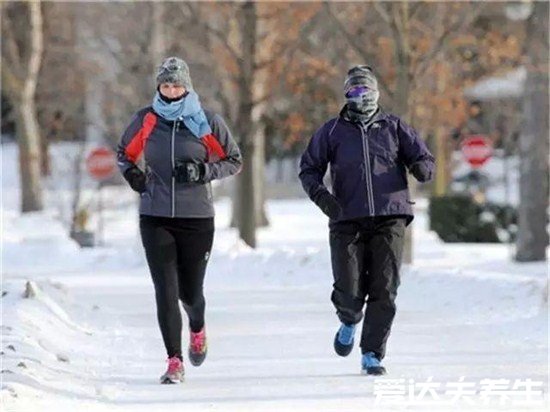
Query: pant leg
(194, 239)
(383, 255)
(347, 250)
(160, 250)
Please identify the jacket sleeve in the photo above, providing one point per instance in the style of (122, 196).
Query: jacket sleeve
(314, 163)
(130, 146)
(415, 153)
(229, 161)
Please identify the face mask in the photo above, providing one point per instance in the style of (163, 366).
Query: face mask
(171, 100)
(363, 100)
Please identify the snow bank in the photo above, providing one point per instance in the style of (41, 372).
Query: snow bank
(41, 343)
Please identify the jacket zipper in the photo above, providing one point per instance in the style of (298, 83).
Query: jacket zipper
(368, 175)
(173, 160)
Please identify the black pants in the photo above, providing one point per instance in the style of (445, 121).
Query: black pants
(366, 256)
(177, 251)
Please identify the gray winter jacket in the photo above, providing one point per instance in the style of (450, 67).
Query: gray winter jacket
(162, 143)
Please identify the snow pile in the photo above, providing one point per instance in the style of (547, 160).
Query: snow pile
(507, 85)
(41, 344)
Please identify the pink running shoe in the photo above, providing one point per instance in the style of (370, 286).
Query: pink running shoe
(197, 347)
(175, 371)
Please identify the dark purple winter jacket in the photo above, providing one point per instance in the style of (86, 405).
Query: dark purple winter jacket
(368, 165)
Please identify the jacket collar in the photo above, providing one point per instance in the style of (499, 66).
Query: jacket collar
(379, 116)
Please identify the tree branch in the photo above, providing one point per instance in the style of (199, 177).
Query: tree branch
(415, 7)
(218, 34)
(269, 16)
(12, 56)
(36, 48)
(226, 105)
(352, 40)
(382, 12)
(262, 99)
(467, 19)
(11, 84)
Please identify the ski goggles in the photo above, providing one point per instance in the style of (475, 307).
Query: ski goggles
(358, 91)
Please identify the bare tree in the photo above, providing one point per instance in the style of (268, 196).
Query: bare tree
(22, 48)
(401, 73)
(251, 43)
(121, 45)
(60, 88)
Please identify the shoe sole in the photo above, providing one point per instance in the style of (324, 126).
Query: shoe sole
(170, 381)
(373, 371)
(197, 360)
(342, 350)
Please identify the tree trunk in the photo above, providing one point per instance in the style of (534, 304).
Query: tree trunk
(259, 184)
(246, 210)
(45, 165)
(408, 242)
(28, 138)
(259, 176)
(440, 186)
(400, 29)
(252, 86)
(157, 37)
(20, 80)
(532, 237)
(246, 199)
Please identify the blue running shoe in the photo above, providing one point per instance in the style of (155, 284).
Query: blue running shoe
(370, 365)
(343, 341)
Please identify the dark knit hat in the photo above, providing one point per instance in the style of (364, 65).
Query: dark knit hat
(174, 70)
(360, 76)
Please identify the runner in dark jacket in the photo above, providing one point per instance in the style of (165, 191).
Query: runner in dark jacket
(184, 148)
(369, 152)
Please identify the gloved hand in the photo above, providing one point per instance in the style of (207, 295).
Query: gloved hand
(136, 178)
(420, 171)
(188, 172)
(329, 205)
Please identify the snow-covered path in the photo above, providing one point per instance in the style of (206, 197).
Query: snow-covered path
(89, 339)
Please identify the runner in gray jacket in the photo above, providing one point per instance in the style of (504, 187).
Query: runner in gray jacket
(184, 148)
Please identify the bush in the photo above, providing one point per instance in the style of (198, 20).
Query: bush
(457, 218)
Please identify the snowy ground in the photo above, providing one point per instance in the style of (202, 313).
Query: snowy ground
(89, 340)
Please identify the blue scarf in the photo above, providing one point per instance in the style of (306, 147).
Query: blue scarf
(188, 109)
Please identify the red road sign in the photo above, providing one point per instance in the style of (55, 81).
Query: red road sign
(101, 163)
(477, 149)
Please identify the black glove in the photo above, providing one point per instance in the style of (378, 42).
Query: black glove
(329, 205)
(420, 171)
(136, 178)
(187, 172)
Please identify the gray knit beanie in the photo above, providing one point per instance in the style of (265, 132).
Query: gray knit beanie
(174, 70)
(360, 76)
